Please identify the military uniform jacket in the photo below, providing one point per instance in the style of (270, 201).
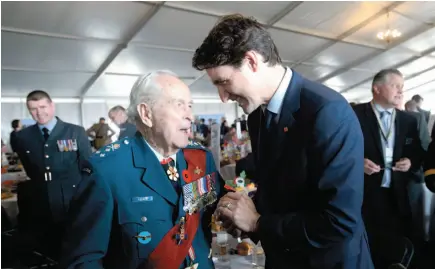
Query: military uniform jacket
(124, 193)
(53, 165)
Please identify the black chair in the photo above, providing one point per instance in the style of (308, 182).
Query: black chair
(400, 249)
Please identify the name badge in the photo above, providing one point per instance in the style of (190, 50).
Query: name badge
(142, 199)
(388, 155)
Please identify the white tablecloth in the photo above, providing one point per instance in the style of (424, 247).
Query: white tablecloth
(11, 207)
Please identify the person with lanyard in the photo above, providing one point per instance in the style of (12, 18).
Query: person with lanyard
(391, 148)
(119, 116)
(147, 201)
(51, 152)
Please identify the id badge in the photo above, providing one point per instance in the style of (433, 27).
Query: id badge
(389, 155)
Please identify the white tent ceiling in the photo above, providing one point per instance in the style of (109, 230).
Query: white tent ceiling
(97, 49)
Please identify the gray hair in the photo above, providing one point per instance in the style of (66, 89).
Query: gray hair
(381, 76)
(145, 90)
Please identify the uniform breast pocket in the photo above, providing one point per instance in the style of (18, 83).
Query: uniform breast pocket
(68, 157)
(142, 230)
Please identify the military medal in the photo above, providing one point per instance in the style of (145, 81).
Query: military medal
(197, 170)
(181, 235)
(199, 194)
(74, 145)
(172, 173)
(60, 145)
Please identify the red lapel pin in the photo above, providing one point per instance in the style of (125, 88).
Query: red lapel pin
(285, 129)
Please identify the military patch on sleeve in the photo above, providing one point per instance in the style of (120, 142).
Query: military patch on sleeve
(111, 148)
(195, 145)
(87, 170)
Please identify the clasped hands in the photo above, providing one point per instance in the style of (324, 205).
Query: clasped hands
(371, 168)
(237, 213)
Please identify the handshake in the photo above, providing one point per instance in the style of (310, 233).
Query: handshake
(238, 214)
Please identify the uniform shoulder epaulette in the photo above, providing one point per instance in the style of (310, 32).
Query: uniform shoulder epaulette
(111, 148)
(195, 145)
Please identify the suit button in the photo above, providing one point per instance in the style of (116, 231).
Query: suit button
(46, 156)
(144, 219)
(46, 145)
(74, 186)
(48, 167)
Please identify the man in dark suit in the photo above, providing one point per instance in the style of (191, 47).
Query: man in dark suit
(51, 152)
(308, 148)
(391, 148)
(419, 101)
(16, 127)
(412, 108)
(143, 200)
(119, 116)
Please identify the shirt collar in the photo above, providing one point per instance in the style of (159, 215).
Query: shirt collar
(380, 109)
(160, 156)
(275, 104)
(49, 125)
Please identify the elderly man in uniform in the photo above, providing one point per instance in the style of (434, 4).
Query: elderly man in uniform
(143, 201)
(119, 116)
(51, 152)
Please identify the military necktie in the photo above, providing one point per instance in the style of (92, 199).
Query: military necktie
(171, 172)
(45, 131)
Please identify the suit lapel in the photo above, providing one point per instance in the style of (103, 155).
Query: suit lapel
(154, 176)
(290, 105)
(372, 122)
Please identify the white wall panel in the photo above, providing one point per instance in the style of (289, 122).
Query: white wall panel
(19, 83)
(52, 54)
(263, 11)
(174, 28)
(88, 19)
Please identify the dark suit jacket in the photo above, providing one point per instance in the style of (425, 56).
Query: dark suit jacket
(425, 113)
(422, 129)
(13, 141)
(407, 145)
(310, 181)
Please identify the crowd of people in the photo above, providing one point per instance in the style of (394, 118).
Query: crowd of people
(333, 180)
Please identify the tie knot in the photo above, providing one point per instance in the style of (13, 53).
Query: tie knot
(45, 130)
(385, 113)
(167, 160)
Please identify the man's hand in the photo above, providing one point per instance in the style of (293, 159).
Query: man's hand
(370, 167)
(402, 165)
(237, 209)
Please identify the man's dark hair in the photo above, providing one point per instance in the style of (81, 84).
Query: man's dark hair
(230, 39)
(116, 108)
(102, 119)
(382, 75)
(417, 98)
(37, 95)
(15, 124)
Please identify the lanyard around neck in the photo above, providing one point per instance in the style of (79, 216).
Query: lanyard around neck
(385, 133)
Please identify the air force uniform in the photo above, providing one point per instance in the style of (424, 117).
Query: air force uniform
(51, 155)
(132, 212)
